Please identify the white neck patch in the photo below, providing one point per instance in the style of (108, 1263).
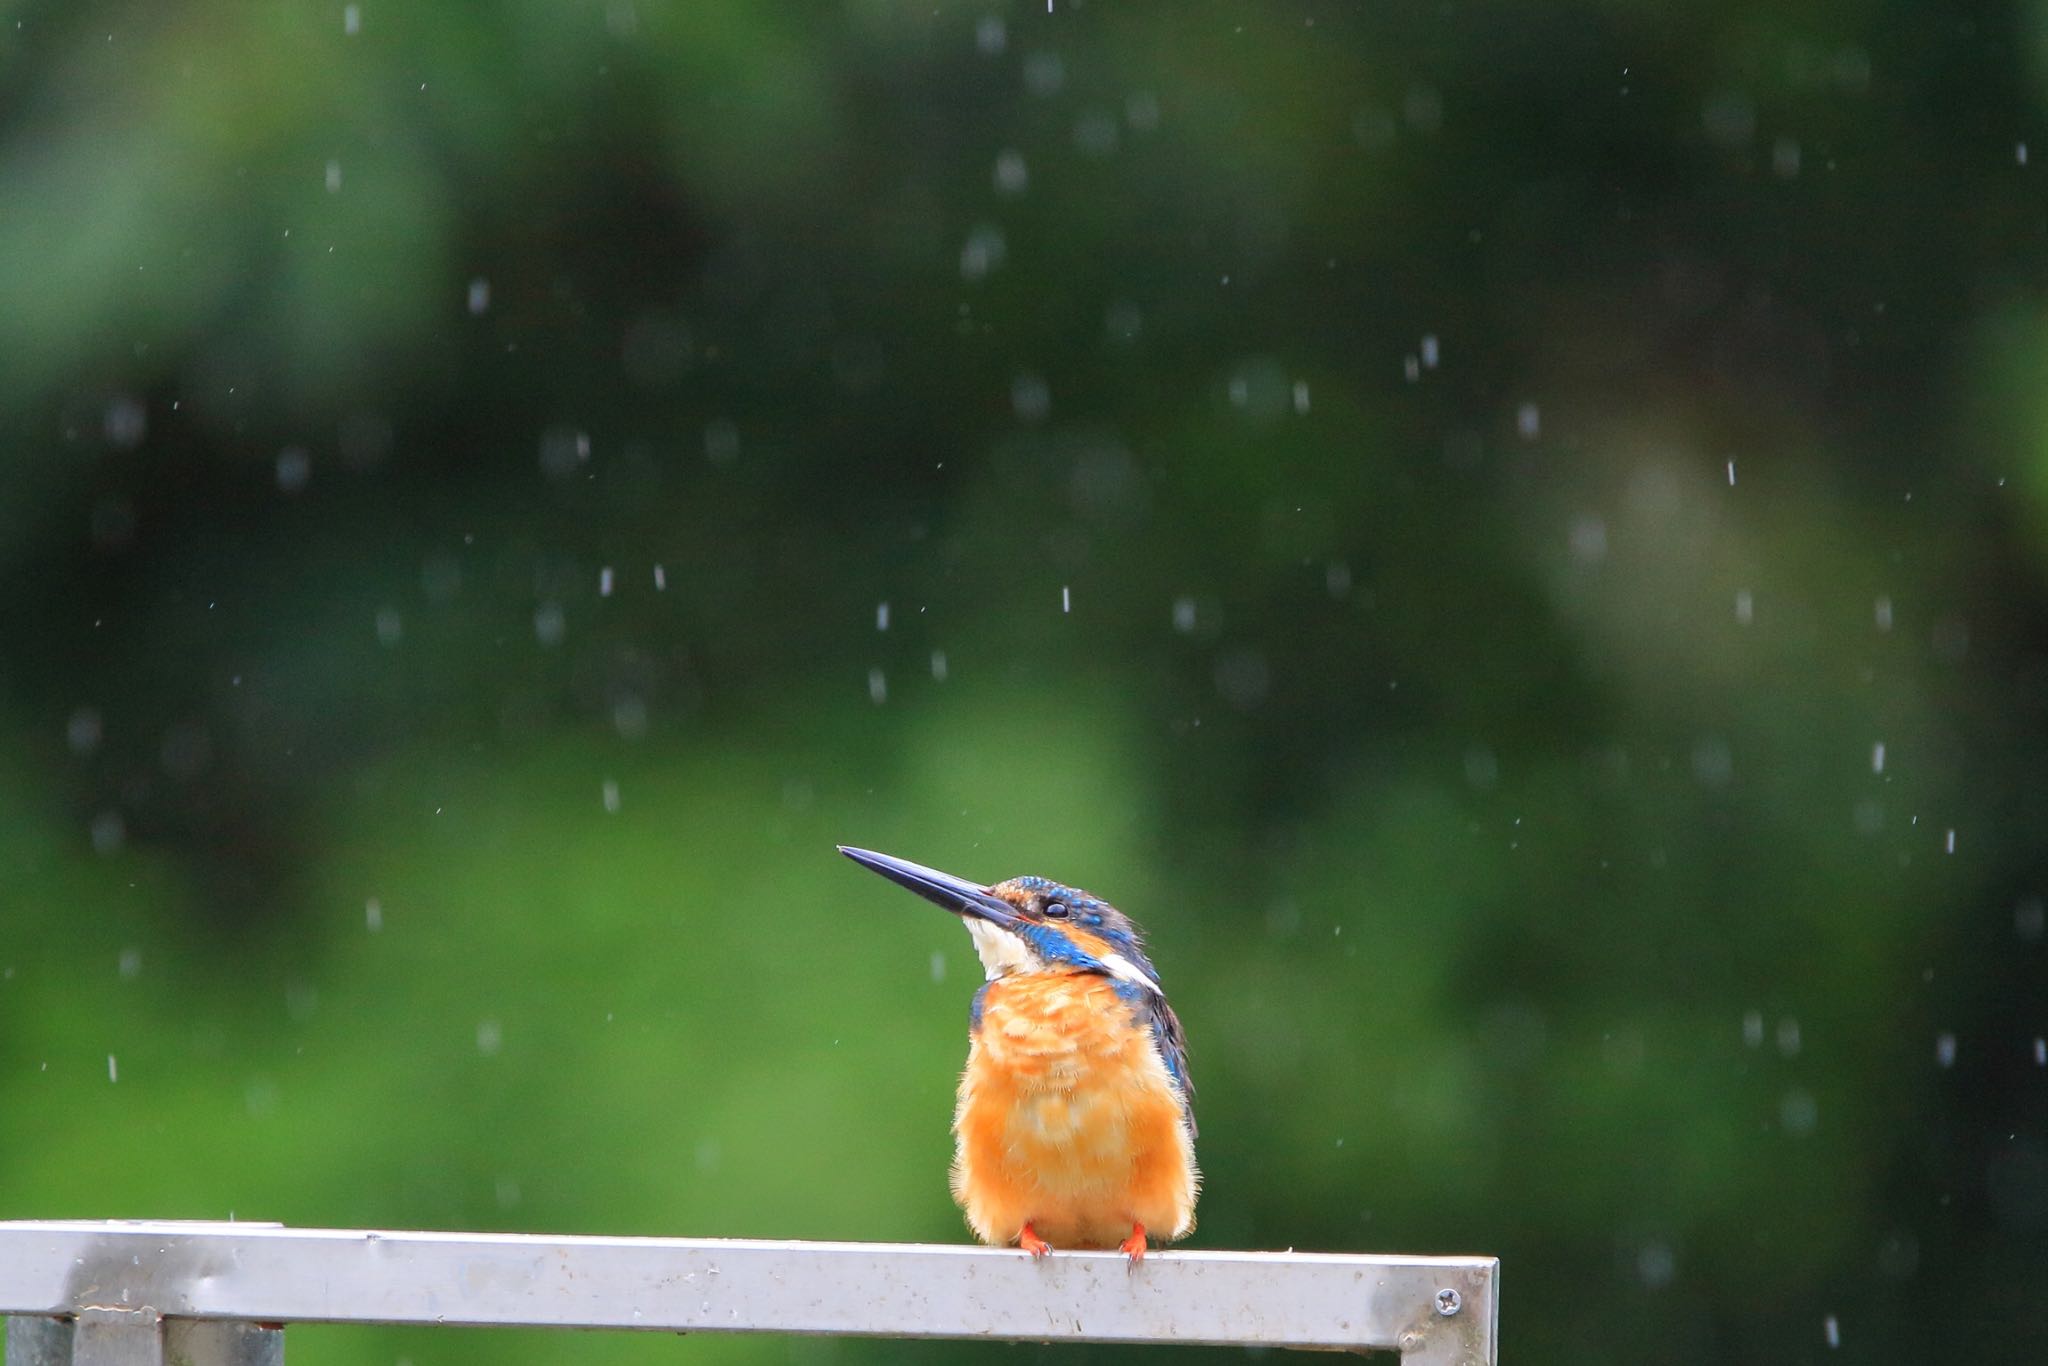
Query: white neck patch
(1123, 968)
(1002, 953)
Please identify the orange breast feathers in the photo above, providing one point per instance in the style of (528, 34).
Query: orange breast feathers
(1068, 1119)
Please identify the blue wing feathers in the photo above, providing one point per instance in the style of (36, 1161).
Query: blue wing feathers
(1173, 1051)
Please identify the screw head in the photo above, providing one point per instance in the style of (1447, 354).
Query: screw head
(1449, 1301)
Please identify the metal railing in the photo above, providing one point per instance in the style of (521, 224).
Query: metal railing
(143, 1294)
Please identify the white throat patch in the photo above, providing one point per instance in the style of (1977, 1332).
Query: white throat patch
(1002, 953)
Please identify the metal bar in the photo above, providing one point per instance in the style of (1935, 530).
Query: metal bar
(217, 1342)
(1434, 1309)
(118, 1337)
(36, 1340)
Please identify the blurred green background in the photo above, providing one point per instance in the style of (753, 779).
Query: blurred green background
(1512, 537)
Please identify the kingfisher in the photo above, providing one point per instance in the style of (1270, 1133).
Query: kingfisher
(1074, 1126)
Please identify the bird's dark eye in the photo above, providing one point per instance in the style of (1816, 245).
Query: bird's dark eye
(1056, 909)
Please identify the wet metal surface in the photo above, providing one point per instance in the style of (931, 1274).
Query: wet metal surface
(267, 1274)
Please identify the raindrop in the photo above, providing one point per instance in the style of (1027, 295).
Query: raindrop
(1729, 118)
(2029, 918)
(2040, 1052)
(333, 177)
(1588, 538)
(109, 832)
(126, 422)
(441, 578)
(1337, 579)
(1044, 74)
(1745, 607)
(1066, 599)
(1881, 612)
(373, 915)
(1301, 396)
(1753, 1028)
(1788, 1037)
(721, 441)
(881, 616)
(351, 19)
(604, 582)
(1012, 176)
(2019, 153)
(113, 1069)
(294, 468)
(1529, 421)
(1656, 1264)
(1424, 108)
(562, 449)
(1184, 615)
(991, 36)
(609, 794)
(1713, 763)
(1898, 1256)
(660, 579)
(1430, 351)
(130, 964)
(1030, 398)
(938, 666)
(878, 686)
(479, 296)
(490, 1037)
(550, 625)
(83, 731)
(1798, 1112)
(1731, 474)
(390, 627)
(1243, 678)
(984, 250)
(629, 717)
(1123, 321)
(1944, 1050)
(1411, 368)
(1949, 843)
(1877, 757)
(1831, 1331)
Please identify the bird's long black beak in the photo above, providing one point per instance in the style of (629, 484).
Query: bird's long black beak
(957, 895)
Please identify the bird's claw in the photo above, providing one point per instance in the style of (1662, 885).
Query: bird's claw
(1134, 1246)
(1033, 1244)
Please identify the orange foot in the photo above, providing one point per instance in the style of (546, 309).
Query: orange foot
(1134, 1246)
(1032, 1243)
